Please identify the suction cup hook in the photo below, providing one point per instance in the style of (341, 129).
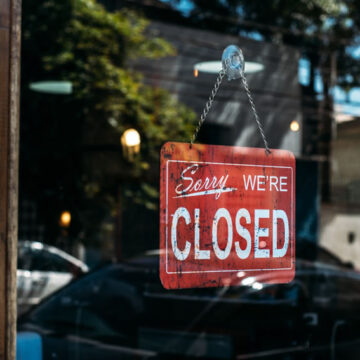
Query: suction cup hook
(233, 62)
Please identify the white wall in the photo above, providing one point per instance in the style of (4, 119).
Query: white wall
(335, 225)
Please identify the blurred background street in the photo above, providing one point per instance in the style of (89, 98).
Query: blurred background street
(104, 84)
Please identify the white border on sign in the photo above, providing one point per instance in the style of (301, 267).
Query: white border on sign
(217, 163)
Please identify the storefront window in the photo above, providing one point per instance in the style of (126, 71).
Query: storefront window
(105, 84)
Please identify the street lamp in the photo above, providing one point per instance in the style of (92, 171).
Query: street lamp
(65, 219)
(130, 141)
(294, 126)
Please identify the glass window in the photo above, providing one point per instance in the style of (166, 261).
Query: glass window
(105, 84)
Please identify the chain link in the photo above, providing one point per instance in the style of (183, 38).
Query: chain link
(208, 105)
(251, 101)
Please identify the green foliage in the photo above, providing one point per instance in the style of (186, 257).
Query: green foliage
(81, 42)
(318, 28)
(285, 18)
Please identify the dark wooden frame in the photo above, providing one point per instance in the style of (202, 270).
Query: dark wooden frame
(10, 31)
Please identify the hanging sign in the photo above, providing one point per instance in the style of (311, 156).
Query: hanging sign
(227, 216)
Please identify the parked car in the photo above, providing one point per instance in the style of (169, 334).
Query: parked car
(122, 311)
(43, 269)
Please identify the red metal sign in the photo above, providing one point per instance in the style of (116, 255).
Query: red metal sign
(227, 216)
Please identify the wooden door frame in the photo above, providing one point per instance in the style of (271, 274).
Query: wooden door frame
(10, 32)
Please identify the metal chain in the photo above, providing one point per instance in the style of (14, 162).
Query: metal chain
(251, 101)
(208, 105)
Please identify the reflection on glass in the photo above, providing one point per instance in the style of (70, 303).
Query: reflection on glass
(104, 85)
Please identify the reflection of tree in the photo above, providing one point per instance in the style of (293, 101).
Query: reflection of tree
(322, 30)
(70, 149)
(316, 27)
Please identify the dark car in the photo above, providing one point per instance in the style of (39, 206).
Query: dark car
(122, 311)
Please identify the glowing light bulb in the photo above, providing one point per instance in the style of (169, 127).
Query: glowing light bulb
(65, 219)
(294, 126)
(131, 137)
(130, 141)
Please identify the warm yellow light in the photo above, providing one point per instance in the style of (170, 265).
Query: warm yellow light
(130, 141)
(294, 126)
(196, 72)
(130, 137)
(65, 219)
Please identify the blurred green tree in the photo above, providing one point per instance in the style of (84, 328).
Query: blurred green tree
(324, 31)
(318, 28)
(70, 144)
